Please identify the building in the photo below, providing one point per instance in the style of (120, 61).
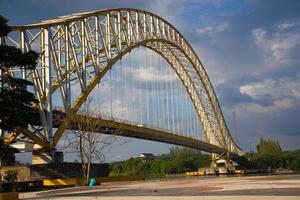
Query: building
(147, 156)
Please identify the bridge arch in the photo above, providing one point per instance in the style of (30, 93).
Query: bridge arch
(98, 40)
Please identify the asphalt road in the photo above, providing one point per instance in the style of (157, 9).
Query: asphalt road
(204, 188)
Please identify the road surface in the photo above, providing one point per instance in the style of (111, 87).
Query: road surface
(205, 188)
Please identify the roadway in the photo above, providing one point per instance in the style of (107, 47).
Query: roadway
(276, 187)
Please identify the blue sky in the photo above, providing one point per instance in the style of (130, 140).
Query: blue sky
(250, 49)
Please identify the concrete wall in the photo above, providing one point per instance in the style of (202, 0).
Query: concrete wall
(54, 171)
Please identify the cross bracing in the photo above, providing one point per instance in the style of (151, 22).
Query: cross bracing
(83, 47)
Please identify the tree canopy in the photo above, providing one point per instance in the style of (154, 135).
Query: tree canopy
(179, 160)
(16, 102)
(268, 148)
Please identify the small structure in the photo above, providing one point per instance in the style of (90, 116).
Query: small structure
(147, 156)
(42, 156)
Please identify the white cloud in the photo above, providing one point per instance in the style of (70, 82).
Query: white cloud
(285, 26)
(284, 92)
(152, 74)
(284, 87)
(276, 46)
(212, 29)
(277, 106)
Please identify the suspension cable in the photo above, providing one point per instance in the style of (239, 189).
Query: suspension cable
(158, 102)
(140, 86)
(110, 90)
(167, 97)
(131, 96)
(172, 105)
(147, 87)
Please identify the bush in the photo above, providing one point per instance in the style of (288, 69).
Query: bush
(9, 181)
(295, 165)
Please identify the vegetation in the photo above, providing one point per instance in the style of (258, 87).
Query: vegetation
(9, 181)
(179, 160)
(16, 102)
(269, 155)
(6, 153)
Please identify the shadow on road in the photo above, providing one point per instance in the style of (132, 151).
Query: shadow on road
(189, 191)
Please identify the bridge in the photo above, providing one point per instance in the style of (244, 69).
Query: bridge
(78, 51)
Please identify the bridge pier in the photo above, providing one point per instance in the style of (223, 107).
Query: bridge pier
(44, 156)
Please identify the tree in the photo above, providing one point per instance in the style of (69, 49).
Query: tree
(9, 179)
(268, 148)
(6, 153)
(16, 102)
(86, 138)
(6, 158)
(295, 165)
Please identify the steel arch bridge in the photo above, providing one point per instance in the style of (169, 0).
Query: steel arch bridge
(85, 46)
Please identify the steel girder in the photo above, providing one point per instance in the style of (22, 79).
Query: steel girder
(134, 130)
(82, 47)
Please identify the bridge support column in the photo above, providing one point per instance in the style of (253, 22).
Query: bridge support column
(213, 163)
(44, 156)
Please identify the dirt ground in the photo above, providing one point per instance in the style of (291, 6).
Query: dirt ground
(185, 188)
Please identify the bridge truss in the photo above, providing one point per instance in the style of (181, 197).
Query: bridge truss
(85, 46)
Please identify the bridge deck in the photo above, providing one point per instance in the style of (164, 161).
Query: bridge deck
(141, 132)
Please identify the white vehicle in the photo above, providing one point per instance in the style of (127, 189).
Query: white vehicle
(225, 166)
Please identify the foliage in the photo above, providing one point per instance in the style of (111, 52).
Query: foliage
(269, 155)
(16, 102)
(268, 148)
(179, 160)
(5, 148)
(295, 165)
(9, 180)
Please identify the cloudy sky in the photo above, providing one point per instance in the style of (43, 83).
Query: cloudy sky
(250, 49)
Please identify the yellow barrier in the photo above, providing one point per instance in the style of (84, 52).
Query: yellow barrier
(79, 181)
(198, 173)
(9, 196)
(239, 171)
(63, 182)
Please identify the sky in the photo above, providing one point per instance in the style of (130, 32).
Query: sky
(250, 49)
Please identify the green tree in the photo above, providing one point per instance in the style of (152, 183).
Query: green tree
(295, 165)
(268, 148)
(179, 160)
(16, 102)
(9, 181)
(5, 151)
